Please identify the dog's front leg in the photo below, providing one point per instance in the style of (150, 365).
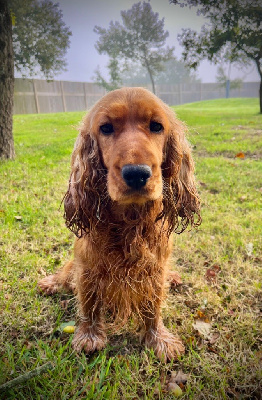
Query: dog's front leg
(156, 336)
(90, 335)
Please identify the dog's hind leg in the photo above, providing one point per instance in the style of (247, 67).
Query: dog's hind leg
(63, 279)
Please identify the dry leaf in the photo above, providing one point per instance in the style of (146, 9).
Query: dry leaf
(216, 267)
(240, 155)
(249, 249)
(204, 328)
(178, 377)
(211, 275)
(213, 338)
(174, 279)
(202, 316)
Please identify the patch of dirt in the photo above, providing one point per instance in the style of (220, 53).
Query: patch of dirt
(230, 155)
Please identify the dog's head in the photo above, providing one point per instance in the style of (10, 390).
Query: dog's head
(131, 149)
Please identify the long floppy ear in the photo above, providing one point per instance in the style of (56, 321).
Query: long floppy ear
(181, 204)
(86, 184)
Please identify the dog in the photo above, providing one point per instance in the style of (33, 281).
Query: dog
(131, 186)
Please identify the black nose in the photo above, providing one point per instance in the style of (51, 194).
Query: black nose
(136, 176)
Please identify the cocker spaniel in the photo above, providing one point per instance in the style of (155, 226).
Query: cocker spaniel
(131, 185)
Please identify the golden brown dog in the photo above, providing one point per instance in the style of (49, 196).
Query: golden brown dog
(131, 185)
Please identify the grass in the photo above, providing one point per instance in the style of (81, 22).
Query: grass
(34, 241)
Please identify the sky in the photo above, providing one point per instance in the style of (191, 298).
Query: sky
(82, 15)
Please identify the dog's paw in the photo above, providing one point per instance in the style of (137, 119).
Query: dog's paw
(166, 346)
(89, 339)
(48, 285)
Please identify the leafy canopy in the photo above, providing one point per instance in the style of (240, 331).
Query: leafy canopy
(234, 32)
(141, 38)
(40, 37)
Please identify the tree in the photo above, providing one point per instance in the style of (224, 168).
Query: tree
(114, 73)
(234, 32)
(32, 36)
(141, 38)
(6, 83)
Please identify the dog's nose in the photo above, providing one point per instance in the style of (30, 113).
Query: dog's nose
(136, 175)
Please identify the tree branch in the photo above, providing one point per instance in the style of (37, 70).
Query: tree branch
(25, 377)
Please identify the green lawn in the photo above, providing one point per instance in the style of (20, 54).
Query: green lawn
(220, 264)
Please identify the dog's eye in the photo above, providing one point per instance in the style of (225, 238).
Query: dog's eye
(156, 127)
(107, 129)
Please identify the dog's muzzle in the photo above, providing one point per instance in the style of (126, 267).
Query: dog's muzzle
(136, 175)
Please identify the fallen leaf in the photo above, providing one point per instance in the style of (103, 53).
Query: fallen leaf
(216, 267)
(213, 338)
(201, 316)
(249, 249)
(204, 328)
(240, 155)
(211, 275)
(178, 377)
(174, 279)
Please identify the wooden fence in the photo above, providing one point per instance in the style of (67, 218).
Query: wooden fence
(40, 96)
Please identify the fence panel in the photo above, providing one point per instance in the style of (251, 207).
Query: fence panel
(24, 98)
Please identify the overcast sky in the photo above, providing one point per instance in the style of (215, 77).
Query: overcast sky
(82, 15)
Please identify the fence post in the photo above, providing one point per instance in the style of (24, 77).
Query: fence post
(36, 98)
(63, 96)
(180, 93)
(84, 86)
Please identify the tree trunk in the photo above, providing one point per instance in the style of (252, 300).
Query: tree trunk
(257, 61)
(260, 95)
(6, 83)
(146, 64)
(152, 81)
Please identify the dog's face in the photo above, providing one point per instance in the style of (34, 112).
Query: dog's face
(131, 149)
(131, 132)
